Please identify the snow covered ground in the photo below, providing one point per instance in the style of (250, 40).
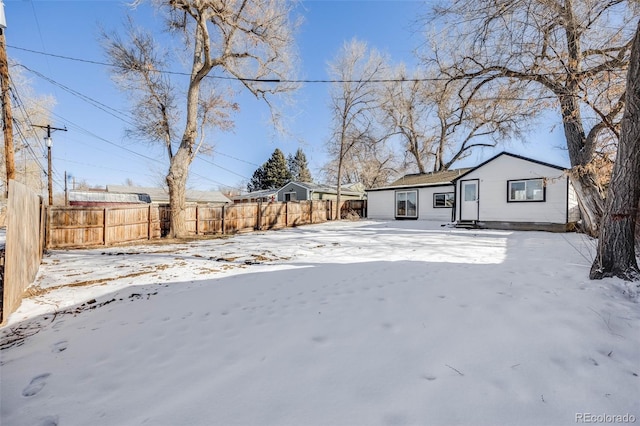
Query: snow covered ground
(344, 323)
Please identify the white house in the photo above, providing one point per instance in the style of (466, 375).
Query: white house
(507, 191)
(427, 196)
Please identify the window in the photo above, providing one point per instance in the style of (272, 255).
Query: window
(290, 196)
(526, 190)
(443, 200)
(407, 204)
(470, 191)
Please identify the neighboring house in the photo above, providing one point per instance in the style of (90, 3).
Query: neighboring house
(507, 191)
(105, 199)
(299, 191)
(161, 195)
(263, 196)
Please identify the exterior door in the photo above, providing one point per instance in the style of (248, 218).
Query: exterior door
(469, 200)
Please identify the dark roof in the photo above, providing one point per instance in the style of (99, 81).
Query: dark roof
(520, 157)
(430, 178)
(425, 179)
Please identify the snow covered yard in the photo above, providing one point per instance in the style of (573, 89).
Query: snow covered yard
(344, 323)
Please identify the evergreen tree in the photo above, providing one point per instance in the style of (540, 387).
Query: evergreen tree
(255, 184)
(298, 167)
(276, 172)
(271, 175)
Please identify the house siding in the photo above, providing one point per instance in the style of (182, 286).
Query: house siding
(381, 203)
(301, 193)
(573, 209)
(426, 211)
(493, 196)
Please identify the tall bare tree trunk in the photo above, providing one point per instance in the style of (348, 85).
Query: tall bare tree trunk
(177, 182)
(581, 152)
(590, 200)
(180, 162)
(339, 183)
(616, 246)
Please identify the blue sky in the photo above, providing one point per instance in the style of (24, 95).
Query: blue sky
(95, 148)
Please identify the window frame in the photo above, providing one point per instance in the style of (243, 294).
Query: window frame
(452, 198)
(525, 181)
(395, 208)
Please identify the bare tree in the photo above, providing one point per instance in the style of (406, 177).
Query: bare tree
(371, 163)
(250, 41)
(28, 108)
(616, 254)
(138, 62)
(572, 53)
(441, 122)
(484, 117)
(406, 105)
(353, 101)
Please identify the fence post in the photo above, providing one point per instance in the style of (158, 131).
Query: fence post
(286, 214)
(259, 219)
(104, 225)
(197, 218)
(43, 225)
(223, 219)
(149, 222)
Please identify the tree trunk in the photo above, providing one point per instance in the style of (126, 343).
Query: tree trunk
(589, 200)
(581, 153)
(339, 186)
(616, 255)
(414, 149)
(177, 183)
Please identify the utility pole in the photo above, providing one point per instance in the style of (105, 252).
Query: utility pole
(49, 143)
(66, 190)
(7, 117)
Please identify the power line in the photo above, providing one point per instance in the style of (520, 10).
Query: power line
(27, 119)
(109, 110)
(220, 167)
(155, 160)
(106, 64)
(235, 158)
(292, 81)
(116, 113)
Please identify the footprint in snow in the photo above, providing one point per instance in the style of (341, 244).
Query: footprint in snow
(319, 339)
(49, 421)
(36, 385)
(59, 346)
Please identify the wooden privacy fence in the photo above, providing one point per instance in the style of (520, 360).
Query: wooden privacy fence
(102, 226)
(23, 247)
(93, 226)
